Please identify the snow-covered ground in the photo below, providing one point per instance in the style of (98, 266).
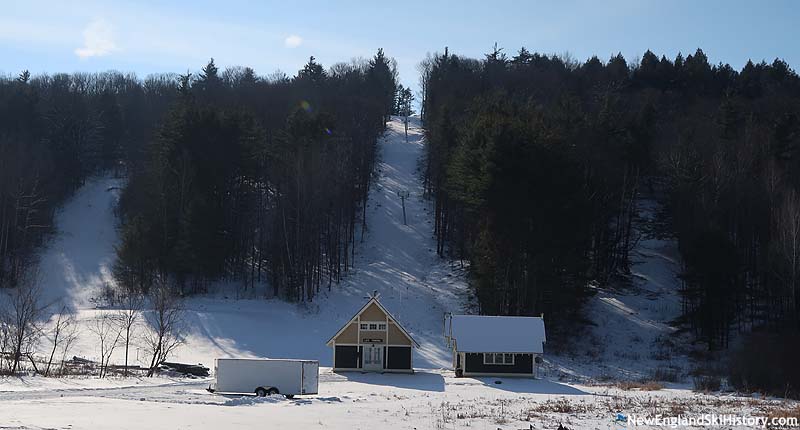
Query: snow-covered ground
(634, 337)
(399, 262)
(424, 400)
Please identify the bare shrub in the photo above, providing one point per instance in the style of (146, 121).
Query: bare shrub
(666, 374)
(562, 406)
(605, 377)
(107, 296)
(785, 412)
(707, 383)
(640, 385)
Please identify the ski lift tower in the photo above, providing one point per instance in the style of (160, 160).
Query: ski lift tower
(403, 194)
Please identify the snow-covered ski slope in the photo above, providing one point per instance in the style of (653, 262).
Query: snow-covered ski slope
(396, 260)
(76, 264)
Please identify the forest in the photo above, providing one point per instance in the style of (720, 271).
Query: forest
(536, 164)
(229, 175)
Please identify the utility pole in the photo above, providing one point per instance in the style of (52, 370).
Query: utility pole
(404, 194)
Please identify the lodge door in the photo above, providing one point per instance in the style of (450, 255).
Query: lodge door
(373, 357)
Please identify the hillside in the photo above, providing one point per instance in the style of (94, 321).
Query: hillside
(399, 262)
(396, 260)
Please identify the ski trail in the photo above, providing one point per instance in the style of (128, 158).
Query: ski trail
(634, 337)
(77, 262)
(399, 260)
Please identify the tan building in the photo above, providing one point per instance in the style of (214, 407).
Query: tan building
(372, 341)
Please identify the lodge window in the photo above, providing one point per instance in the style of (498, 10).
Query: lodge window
(498, 358)
(373, 326)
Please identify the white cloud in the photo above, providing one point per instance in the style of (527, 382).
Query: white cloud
(293, 41)
(98, 40)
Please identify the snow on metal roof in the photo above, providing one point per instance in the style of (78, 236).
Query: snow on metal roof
(480, 333)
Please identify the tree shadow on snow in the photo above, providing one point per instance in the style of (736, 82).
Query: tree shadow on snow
(531, 386)
(422, 381)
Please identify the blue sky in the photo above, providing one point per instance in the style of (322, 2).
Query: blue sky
(149, 36)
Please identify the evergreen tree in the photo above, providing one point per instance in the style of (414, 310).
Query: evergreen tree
(312, 72)
(382, 78)
(209, 83)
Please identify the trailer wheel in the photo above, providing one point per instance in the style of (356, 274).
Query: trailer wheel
(261, 392)
(290, 396)
(272, 391)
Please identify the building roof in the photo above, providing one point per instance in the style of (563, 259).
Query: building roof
(480, 333)
(360, 311)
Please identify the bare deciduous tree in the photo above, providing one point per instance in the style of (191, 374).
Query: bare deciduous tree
(5, 341)
(424, 69)
(71, 336)
(788, 241)
(165, 324)
(128, 318)
(109, 333)
(22, 315)
(63, 334)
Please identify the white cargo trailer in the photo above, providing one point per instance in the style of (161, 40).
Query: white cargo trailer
(266, 376)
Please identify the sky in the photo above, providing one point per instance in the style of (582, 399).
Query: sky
(154, 36)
